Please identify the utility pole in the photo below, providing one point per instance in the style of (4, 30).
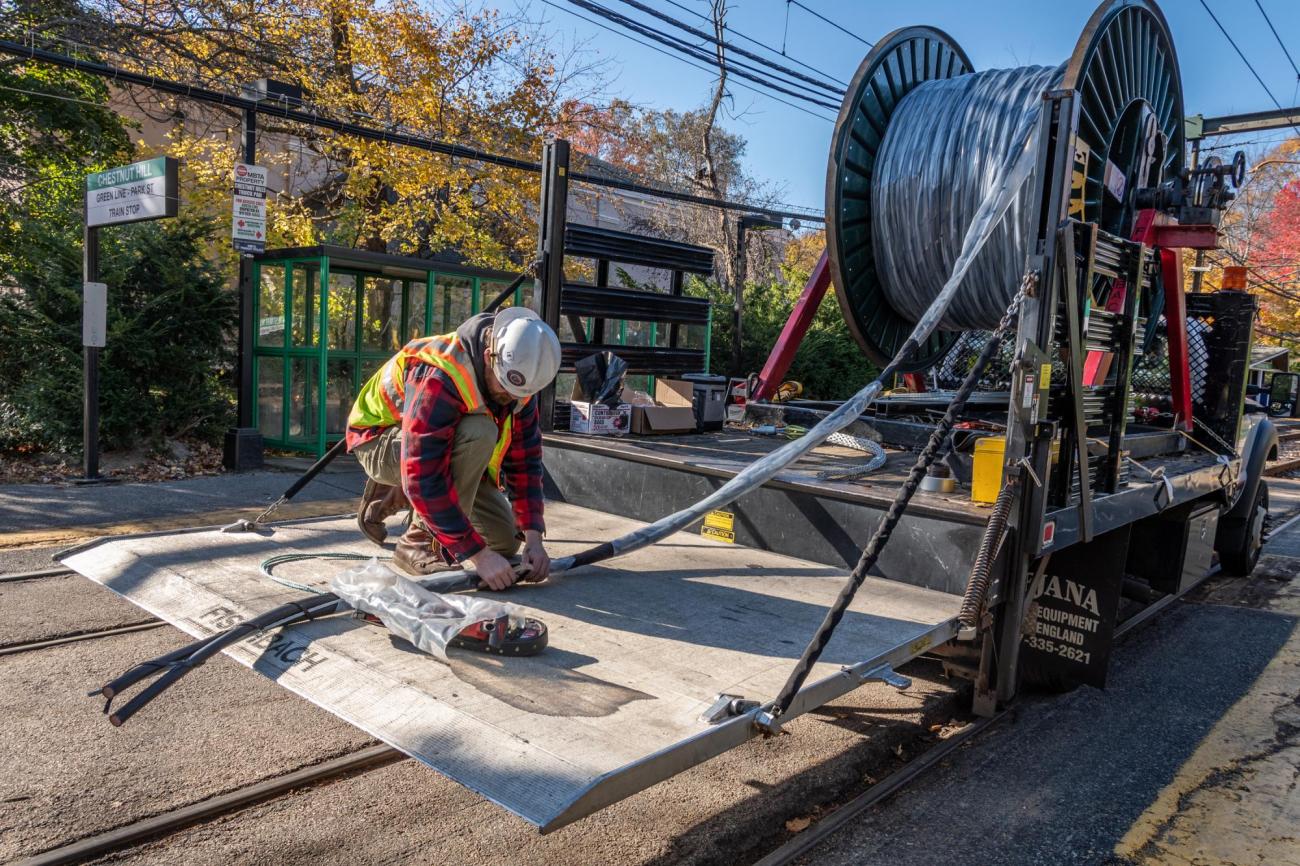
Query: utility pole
(746, 222)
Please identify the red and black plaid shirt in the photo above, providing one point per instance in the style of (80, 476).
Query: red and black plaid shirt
(431, 411)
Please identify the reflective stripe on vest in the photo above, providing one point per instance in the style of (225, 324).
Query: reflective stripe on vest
(382, 398)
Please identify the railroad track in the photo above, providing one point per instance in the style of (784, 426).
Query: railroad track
(168, 822)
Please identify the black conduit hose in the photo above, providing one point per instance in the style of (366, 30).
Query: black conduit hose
(977, 586)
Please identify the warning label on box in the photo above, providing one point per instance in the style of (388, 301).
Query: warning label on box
(719, 525)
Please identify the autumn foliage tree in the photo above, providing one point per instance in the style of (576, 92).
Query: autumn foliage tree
(467, 77)
(1277, 267)
(1261, 230)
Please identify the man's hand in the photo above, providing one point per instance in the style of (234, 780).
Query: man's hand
(537, 564)
(493, 569)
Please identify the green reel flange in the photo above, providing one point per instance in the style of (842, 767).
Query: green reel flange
(898, 63)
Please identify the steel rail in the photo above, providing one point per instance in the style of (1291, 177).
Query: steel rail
(177, 819)
(886, 787)
(805, 842)
(14, 649)
(36, 574)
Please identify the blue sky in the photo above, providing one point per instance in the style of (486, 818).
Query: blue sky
(788, 147)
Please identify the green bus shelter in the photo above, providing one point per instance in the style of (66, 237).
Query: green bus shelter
(327, 317)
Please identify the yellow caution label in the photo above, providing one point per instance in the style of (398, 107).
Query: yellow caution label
(920, 645)
(1079, 179)
(720, 525)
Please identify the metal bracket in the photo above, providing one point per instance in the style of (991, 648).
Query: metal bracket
(1024, 463)
(726, 707)
(768, 724)
(885, 674)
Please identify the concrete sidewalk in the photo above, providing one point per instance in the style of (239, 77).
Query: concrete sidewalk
(46, 506)
(37, 520)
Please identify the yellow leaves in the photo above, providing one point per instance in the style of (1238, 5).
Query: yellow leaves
(798, 825)
(452, 75)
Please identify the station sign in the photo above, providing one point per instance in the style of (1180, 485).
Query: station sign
(248, 208)
(145, 190)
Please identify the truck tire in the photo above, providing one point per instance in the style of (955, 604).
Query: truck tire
(1243, 538)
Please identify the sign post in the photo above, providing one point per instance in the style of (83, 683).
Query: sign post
(243, 443)
(145, 190)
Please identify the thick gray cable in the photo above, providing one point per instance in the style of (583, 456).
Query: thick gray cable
(1015, 170)
(1017, 163)
(942, 156)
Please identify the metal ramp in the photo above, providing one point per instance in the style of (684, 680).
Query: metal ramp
(640, 648)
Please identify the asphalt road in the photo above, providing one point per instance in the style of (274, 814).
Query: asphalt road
(1199, 718)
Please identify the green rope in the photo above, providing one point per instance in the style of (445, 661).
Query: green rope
(280, 559)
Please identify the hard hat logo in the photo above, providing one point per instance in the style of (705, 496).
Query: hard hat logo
(527, 351)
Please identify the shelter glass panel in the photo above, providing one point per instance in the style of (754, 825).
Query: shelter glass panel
(342, 311)
(457, 302)
(489, 289)
(381, 314)
(418, 294)
(341, 391)
(270, 397)
(304, 397)
(270, 306)
(369, 366)
(305, 315)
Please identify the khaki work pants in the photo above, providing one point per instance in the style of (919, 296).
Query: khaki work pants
(488, 509)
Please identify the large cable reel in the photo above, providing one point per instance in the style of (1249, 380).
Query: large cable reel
(1125, 73)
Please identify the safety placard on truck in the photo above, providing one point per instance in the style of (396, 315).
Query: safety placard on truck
(719, 525)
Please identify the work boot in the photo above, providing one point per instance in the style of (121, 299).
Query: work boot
(417, 552)
(378, 503)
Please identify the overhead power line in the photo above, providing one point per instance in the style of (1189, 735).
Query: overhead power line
(1240, 54)
(313, 118)
(713, 40)
(1280, 43)
(735, 68)
(752, 41)
(681, 59)
(814, 13)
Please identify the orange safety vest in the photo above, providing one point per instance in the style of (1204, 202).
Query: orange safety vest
(382, 398)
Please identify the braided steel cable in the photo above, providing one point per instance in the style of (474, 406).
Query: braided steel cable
(884, 531)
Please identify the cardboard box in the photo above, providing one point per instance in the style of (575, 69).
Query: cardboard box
(673, 412)
(597, 419)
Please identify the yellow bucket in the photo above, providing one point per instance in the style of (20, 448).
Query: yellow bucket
(986, 472)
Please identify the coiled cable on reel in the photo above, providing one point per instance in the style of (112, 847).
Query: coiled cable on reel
(944, 151)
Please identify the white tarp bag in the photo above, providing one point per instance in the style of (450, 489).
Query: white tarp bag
(427, 619)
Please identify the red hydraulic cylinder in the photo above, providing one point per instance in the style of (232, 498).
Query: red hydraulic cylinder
(796, 327)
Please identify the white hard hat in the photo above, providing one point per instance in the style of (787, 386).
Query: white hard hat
(525, 351)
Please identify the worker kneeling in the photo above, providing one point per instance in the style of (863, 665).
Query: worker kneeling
(445, 427)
